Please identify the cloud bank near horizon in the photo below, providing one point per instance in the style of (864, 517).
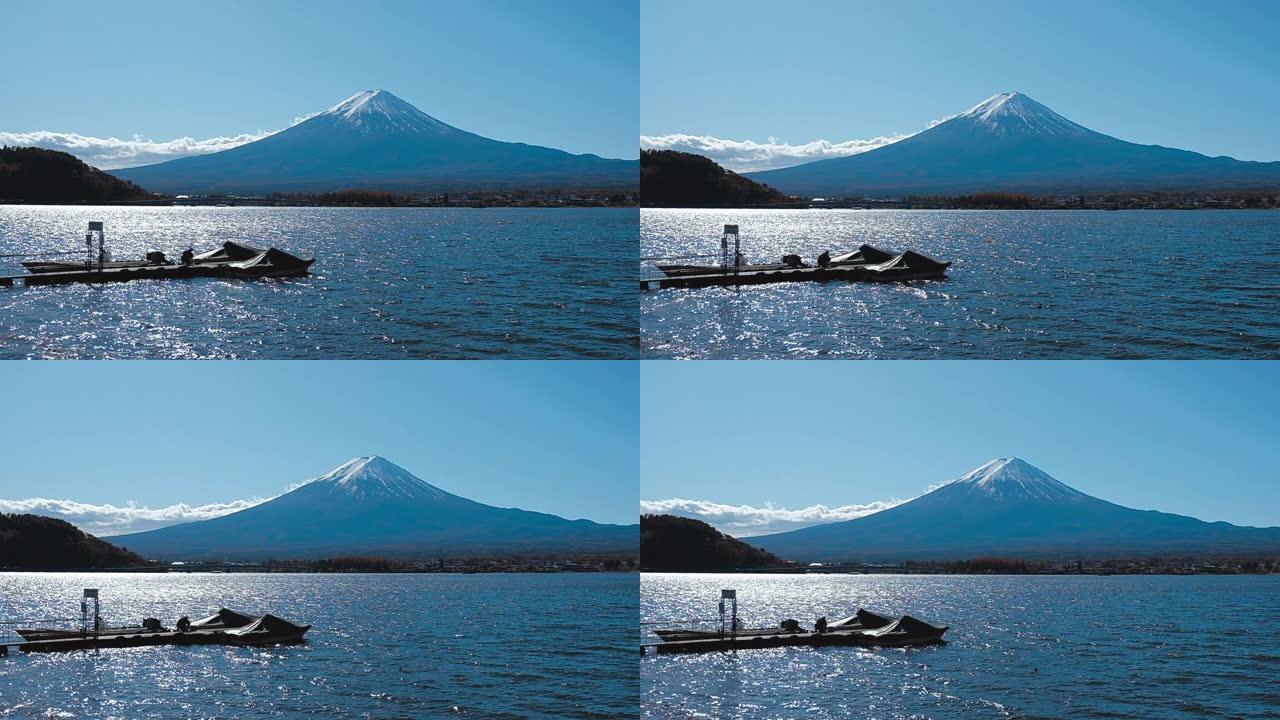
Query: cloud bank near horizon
(115, 153)
(745, 156)
(107, 520)
(751, 156)
(746, 521)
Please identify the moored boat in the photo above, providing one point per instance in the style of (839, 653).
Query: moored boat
(881, 265)
(862, 629)
(266, 630)
(231, 258)
(222, 620)
(907, 266)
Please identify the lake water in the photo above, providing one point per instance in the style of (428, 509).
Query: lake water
(1019, 647)
(387, 284)
(1025, 284)
(381, 646)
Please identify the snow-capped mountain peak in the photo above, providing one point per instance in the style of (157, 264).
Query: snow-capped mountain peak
(374, 476)
(1013, 478)
(379, 109)
(1014, 113)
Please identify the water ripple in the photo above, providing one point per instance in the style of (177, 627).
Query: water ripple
(1034, 284)
(1019, 647)
(385, 646)
(388, 284)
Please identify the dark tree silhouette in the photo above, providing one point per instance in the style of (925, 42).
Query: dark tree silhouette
(676, 179)
(34, 542)
(36, 175)
(678, 544)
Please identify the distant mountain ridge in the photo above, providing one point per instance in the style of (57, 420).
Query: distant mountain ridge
(1012, 143)
(375, 140)
(371, 506)
(1010, 508)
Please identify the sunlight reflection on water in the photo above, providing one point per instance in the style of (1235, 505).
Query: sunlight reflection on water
(387, 284)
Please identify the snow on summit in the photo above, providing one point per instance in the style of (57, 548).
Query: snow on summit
(374, 476)
(1013, 112)
(1014, 478)
(379, 109)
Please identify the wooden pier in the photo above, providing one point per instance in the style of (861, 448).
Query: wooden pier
(125, 274)
(740, 641)
(142, 639)
(731, 277)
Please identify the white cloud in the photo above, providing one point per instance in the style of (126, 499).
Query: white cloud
(104, 520)
(746, 520)
(113, 153)
(750, 156)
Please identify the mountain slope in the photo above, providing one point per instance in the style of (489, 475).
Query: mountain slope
(1010, 142)
(375, 140)
(374, 507)
(1010, 508)
(34, 542)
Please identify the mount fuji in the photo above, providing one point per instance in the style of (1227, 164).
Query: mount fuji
(1010, 142)
(370, 505)
(375, 140)
(1010, 508)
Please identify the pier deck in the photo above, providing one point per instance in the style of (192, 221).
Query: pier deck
(124, 274)
(89, 642)
(851, 273)
(747, 642)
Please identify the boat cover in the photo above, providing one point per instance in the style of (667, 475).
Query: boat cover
(273, 258)
(910, 261)
(269, 625)
(866, 254)
(909, 627)
(862, 618)
(224, 618)
(229, 251)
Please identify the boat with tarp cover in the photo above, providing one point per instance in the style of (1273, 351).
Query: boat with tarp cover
(230, 260)
(862, 629)
(224, 627)
(866, 264)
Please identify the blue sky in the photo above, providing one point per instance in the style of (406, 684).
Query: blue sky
(558, 437)
(1170, 73)
(562, 73)
(1195, 438)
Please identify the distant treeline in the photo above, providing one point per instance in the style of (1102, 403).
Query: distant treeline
(991, 566)
(677, 179)
(36, 175)
(678, 544)
(34, 542)
(1228, 199)
(357, 563)
(985, 201)
(533, 197)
